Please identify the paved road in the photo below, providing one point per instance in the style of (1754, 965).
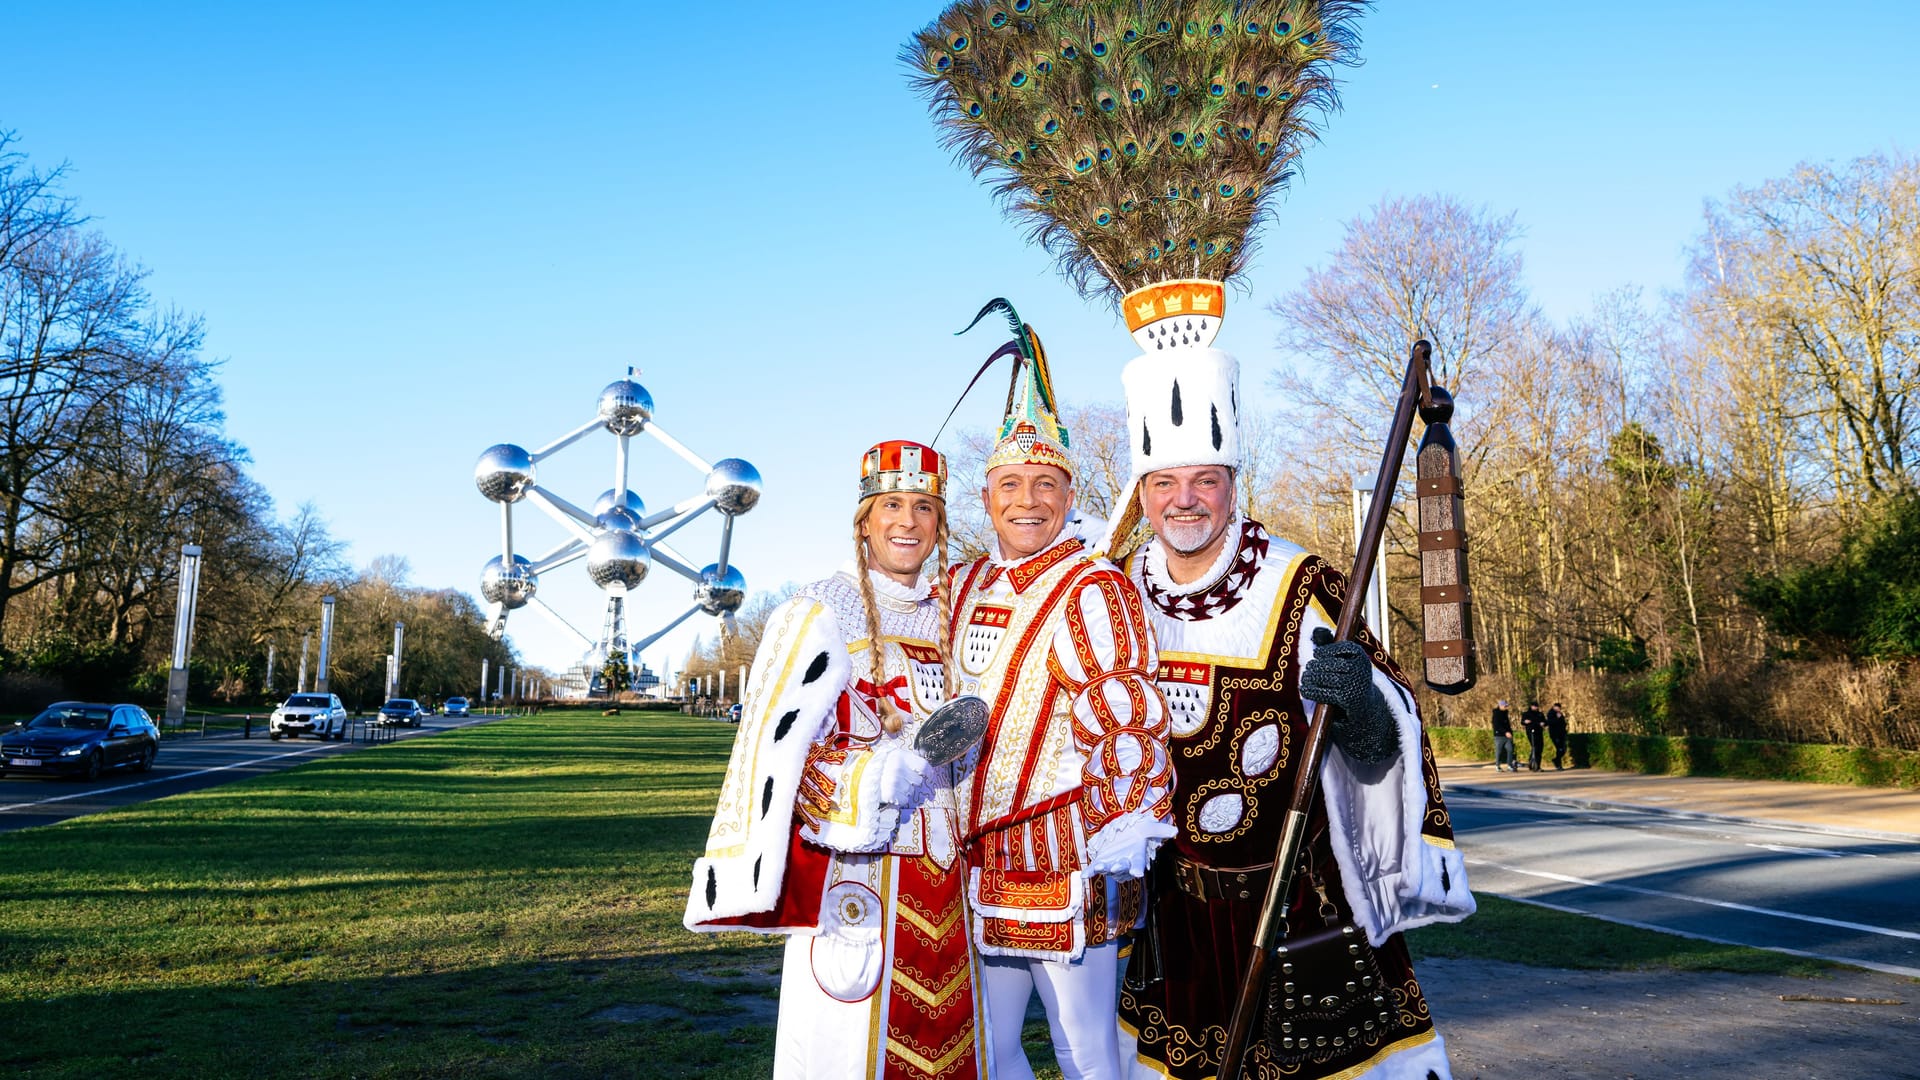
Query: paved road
(183, 765)
(1842, 898)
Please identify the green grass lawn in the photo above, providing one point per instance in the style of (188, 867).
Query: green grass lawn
(502, 900)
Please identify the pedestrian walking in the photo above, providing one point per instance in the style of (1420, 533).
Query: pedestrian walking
(1503, 753)
(1557, 731)
(1534, 723)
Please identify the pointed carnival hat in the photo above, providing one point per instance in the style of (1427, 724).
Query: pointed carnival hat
(905, 466)
(1031, 433)
(1141, 142)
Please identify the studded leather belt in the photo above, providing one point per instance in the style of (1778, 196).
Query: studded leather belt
(1208, 883)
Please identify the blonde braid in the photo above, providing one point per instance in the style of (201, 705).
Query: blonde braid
(882, 705)
(944, 594)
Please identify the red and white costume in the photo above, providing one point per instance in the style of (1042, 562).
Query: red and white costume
(879, 979)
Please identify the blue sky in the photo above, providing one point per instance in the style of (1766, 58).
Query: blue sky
(417, 230)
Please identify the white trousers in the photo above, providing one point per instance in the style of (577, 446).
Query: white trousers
(1080, 999)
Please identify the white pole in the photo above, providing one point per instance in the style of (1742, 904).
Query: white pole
(326, 641)
(399, 640)
(187, 600)
(270, 658)
(1374, 611)
(306, 640)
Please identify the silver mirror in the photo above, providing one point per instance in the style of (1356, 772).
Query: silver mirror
(952, 729)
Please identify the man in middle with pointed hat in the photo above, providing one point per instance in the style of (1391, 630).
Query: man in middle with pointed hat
(1067, 796)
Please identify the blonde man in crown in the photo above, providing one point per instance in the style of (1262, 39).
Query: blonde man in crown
(832, 829)
(1066, 797)
(1243, 620)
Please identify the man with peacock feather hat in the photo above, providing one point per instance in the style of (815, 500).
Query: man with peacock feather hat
(1142, 142)
(831, 828)
(1066, 798)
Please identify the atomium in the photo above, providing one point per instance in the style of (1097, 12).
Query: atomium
(618, 540)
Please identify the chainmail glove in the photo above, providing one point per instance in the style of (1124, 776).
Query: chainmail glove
(1341, 674)
(903, 776)
(1125, 846)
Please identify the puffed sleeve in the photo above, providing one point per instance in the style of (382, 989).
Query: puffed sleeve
(1103, 653)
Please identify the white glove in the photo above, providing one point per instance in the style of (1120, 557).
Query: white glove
(903, 776)
(1125, 847)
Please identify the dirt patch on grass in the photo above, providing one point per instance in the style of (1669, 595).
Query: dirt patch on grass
(1505, 1020)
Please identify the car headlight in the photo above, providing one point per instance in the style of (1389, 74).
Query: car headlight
(72, 751)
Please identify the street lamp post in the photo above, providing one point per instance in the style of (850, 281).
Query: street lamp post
(306, 640)
(1374, 611)
(189, 599)
(326, 642)
(393, 674)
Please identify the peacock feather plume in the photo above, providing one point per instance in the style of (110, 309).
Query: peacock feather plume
(1139, 141)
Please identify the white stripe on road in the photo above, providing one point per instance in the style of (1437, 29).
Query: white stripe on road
(91, 792)
(1890, 969)
(219, 768)
(1728, 904)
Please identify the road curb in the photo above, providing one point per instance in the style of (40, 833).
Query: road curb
(1690, 815)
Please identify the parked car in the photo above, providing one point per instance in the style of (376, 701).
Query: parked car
(309, 714)
(455, 706)
(75, 738)
(401, 710)
(733, 712)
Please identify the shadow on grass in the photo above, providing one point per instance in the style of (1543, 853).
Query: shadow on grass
(617, 1017)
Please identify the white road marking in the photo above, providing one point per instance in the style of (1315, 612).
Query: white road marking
(217, 768)
(90, 792)
(1569, 879)
(1890, 969)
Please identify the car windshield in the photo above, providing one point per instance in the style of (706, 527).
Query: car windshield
(85, 717)
(456, 701)
(306, 701)
(399, 703)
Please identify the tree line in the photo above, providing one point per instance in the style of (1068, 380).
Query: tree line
(113, 455)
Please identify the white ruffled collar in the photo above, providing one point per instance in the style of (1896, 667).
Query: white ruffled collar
(885, 589)
(1154, 558)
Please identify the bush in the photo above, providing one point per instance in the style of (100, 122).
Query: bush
(1864, 601)
(1747, 759)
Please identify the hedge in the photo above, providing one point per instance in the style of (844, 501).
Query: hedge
(1745, 759)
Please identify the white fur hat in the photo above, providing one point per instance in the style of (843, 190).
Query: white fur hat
(1183, 408)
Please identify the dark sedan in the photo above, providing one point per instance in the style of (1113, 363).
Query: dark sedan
(73, 738)
(401, 710)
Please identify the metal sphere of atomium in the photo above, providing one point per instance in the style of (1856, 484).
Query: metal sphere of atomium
(617, 518)
(504, 473)
(619, 559)
(734, 486)
(718, 593)
(631, 503)
(510, 587)
(625, 407)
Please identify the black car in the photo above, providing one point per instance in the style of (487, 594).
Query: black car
(401, 710)
(75, 738)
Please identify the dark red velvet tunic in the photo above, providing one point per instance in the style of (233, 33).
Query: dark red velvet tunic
(1180, 1016)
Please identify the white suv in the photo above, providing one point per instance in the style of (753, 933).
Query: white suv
(309, 714)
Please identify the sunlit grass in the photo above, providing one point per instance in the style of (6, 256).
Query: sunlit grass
(501, 900)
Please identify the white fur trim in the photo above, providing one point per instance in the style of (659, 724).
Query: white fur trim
(785, 712)
(1182, 409)
(1395, 878)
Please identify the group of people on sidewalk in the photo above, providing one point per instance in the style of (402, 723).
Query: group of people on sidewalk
(1108, 843)
(1538, 726)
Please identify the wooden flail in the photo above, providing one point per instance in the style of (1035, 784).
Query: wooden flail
(1445, 598)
